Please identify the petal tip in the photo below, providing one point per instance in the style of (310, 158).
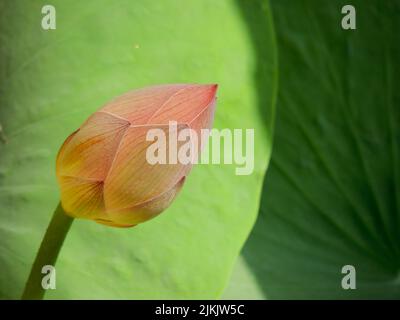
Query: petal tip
(213, 87)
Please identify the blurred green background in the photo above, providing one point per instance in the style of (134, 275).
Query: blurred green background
(331, 194)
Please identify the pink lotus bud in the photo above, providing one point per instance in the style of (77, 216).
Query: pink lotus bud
(102, 168)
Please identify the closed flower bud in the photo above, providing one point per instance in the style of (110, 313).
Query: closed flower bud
(102, 168)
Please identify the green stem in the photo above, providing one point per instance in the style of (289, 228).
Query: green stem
(48, 253)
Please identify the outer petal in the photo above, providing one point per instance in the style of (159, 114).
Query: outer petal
(82, 198)
(203, 120)
(129, 217)
(193, 105)
(185, 105)
(91, 149)
(132, 180)
(61, 152)
(139, 105)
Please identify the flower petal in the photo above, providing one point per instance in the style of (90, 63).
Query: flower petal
(186, 105)
(132, 179)
(90, 151)
(131, 216)
(204, 120)
(81, 198)
(139, 105)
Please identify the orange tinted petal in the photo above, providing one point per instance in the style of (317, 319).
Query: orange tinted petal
(139, 105)
(185, 105)
(61, 152)
(131, 216)
(90, 151)
(132, 179)
(81, 198)
(204, 120)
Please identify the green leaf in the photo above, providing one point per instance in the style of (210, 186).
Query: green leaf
(51, 81)
(331, 194)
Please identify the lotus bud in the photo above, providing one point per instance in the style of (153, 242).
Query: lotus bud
(102, 169)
